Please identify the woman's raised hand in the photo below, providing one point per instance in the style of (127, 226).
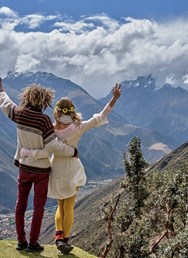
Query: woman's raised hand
(116, 91)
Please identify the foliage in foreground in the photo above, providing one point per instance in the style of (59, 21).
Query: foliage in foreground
(152, 222)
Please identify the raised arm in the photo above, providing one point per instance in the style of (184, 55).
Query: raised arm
(1, 85)
(116, 91)
(101, 118)
(6, 104)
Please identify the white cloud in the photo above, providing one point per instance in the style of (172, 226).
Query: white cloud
(170, 79)
(72, 26)
(185, 79)
(10, 19)
(97, 51)
(7, 12)
(33, 21)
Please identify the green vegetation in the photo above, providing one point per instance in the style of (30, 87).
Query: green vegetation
(152, 220)
(8, 250)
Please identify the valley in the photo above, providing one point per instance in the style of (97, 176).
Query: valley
(7, 225)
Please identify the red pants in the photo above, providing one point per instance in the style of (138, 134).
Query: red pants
(25, 182)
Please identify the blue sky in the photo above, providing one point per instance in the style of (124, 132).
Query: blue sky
(96, 43)
(159, 9)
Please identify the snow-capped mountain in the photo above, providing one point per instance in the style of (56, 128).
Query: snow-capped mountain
(163, 109)
(101, 149)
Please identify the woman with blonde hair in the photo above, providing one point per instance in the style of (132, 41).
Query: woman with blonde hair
(68, 173)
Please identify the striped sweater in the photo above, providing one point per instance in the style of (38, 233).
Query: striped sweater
(34, 131)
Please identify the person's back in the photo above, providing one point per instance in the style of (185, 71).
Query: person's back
(34, 129)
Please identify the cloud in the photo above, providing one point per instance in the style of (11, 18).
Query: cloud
(71, 26)
(95, 51)
(185, 79)
(170, 79)
(6, 11)
(33, 20)
(10, 19)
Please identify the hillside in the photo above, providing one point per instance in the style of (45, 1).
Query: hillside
(7, 250)
(90, 229)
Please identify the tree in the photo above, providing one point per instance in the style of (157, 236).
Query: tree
(152, 215)
(135, 165)
(131, 240)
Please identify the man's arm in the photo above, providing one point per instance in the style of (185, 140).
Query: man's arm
(1, 85)
(6, 104)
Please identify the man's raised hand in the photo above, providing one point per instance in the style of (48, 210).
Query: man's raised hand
(1, 84)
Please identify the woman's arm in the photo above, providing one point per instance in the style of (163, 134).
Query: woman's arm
(116, 91)
(101, 118)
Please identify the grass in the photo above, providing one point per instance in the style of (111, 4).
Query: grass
(8, 250)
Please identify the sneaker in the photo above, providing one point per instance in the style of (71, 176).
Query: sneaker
(21, 246)
(34, 248)
(63, 247)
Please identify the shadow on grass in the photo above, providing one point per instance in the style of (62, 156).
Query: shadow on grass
(70, 255)
(32, 255)
(40, 255)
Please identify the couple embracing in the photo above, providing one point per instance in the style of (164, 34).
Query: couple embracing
(47, 158)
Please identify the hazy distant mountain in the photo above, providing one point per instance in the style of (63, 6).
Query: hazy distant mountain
(164, 109)
(100, 150)
(173, 159)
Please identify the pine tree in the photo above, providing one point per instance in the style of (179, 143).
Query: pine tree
(134, 166)
(131, 240)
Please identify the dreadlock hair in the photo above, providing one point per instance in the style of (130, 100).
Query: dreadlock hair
(36, 96)
(65, 106)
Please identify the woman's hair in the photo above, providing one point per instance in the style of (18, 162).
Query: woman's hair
(37, 97)
(65, 106)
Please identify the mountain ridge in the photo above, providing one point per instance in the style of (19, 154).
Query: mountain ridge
(96, 147)
(163, 109)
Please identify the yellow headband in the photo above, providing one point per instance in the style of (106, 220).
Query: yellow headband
(65, 110)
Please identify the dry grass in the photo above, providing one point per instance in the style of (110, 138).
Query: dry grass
(8, 250)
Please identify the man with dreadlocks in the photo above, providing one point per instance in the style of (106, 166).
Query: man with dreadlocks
(35, 131)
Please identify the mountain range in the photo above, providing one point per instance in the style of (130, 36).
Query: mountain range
(162, 109)
(157, 116)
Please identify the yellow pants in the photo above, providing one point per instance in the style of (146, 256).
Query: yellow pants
(64, 217)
